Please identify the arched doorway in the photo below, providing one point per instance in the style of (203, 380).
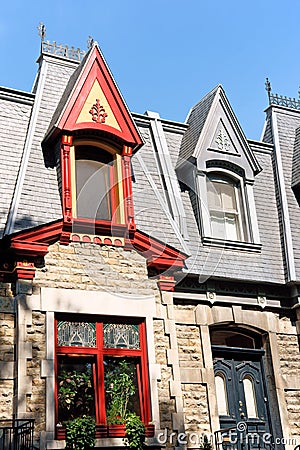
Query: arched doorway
(241, 390)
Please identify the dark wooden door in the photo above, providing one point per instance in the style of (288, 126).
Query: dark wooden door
(242, 398)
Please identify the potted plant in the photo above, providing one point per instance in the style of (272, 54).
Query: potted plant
(119, 388)
(80, 433)
(135, 432)
(120, 392)
(205, 443)
(76, 407)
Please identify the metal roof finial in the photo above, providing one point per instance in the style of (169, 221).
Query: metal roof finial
(90, 42)
(42, 31)
(268, 89)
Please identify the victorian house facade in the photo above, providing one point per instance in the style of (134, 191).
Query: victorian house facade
(168, 250)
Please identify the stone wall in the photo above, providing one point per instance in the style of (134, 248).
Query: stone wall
(289, 355)
(7, 354)
(95, 267)
(35, 406)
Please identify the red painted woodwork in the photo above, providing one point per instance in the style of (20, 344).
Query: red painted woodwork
(159, 255)
(166, 283)
(127, 187)
(99, 352)
(66, 142)
(95, 68)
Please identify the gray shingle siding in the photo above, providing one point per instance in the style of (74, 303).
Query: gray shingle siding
(288, 122)
(40, 200)
(196, 121)
(14, 119)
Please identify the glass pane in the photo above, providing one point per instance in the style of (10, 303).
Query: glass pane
(221, 395)
(117, 335)
(121, 388)
(93, 189)
(217, 222)
(231, 227)
(228, 196)
(213, 195)
(76, 334)
(250, 397)
(76, 393)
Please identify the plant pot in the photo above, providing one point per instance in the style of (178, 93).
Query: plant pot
(116, 430)
(149, 430)
(101, 431)
(61, 432)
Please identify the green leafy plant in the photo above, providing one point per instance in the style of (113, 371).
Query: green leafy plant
(80, 433)
(135, 432)
(75, 394)
(120, 389)
(205, 444)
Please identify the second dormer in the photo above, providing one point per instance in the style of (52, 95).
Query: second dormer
(218, 167)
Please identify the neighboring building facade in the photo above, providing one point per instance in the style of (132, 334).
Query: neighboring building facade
(169, 248)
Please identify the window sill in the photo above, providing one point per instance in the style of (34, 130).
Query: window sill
(108, 432)
(231, 245)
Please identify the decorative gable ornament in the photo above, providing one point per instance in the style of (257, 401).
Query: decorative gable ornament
(92, 101)
(228, 139)
(222, 142)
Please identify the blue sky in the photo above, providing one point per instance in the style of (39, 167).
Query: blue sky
(167, 54)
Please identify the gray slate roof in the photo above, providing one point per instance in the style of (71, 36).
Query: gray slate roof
(38, 199)
(15, 111)
(196, 120)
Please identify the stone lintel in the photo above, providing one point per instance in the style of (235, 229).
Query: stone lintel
(190, 375)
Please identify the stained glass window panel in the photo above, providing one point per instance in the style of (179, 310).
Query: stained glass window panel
(76, 334)
(118, 335)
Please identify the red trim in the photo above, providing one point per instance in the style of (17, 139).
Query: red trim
(166, 283)
(159, 255)
(127, 187)
(99, 352)
(66, 178)
(96, 69)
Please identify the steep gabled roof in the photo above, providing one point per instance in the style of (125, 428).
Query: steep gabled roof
(196, 120)
(212, 122)
(92, 101)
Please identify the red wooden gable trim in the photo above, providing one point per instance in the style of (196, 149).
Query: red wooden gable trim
(26, 245)
(96, 69)
(159, 255)
(35, 242)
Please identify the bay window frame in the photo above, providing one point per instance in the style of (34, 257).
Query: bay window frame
(99, 353)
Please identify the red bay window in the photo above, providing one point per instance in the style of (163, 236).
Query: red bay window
(101, 370)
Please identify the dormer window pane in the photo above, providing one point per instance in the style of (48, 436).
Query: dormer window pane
(93, 184)
(225, 208)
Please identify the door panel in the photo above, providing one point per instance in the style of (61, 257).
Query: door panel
(244, 393)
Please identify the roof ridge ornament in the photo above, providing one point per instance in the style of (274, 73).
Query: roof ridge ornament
(42, 31)
(280, 100)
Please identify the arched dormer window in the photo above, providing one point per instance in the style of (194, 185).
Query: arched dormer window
(226, 207)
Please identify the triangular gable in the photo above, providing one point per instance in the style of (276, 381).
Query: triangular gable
(95, 103)
(222, 142)
(222, 134)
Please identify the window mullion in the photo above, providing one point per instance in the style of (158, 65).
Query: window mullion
(100, 363)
